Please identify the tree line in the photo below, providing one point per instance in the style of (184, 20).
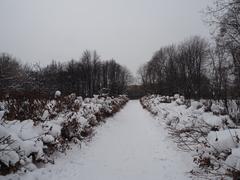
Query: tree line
(86, 77)
(197, 68)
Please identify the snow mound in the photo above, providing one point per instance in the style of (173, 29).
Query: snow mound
(57, 94)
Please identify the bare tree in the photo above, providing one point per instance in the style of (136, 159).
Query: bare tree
(178, 69)
(224, 17)
(10, 74)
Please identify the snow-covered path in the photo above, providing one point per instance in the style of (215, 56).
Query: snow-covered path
(130, 146)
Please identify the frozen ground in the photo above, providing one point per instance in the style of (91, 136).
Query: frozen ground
(130, 146)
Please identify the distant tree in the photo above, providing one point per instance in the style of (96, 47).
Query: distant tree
(193, 53)
(10, 74)
(85, 77)
(180, 69)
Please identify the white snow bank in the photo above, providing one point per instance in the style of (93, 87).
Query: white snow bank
(224, 140)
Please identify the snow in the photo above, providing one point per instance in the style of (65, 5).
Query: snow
(176, 96)
(202, 127)
(45, 115)
(33, 146)
(131, 145)
(48, 138)
(8, 157)
(225, 139)
(1, 114)
(27, 130)
(234, 159)
(52, 127)
(57, 94)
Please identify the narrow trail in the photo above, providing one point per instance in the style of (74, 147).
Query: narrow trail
(132, 145)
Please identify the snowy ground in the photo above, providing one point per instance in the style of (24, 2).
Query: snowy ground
(131, 145)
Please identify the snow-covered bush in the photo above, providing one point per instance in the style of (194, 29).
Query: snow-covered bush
(231, 107)
(206, 128)
(218, 109)
(53, 127)
(23, 109)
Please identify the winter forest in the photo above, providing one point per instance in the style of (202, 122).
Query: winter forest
(85, 77)
(177, 117)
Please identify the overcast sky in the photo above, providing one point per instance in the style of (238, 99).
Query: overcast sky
(129, 31)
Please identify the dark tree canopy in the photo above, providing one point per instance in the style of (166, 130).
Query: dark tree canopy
(85, 77)
(179, 69)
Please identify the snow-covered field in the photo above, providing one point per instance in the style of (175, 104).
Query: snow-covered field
(204, 130)
(131, 145)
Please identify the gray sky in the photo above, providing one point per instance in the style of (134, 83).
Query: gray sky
(129, 31)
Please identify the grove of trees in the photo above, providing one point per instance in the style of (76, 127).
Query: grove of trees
(197, 68)
(85, 77)
(179, 69)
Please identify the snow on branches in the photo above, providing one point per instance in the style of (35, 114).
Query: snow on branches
(205, 128)
(52, 127)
